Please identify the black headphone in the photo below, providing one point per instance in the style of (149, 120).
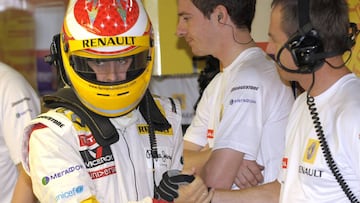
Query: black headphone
(55, 59)
(305, 46)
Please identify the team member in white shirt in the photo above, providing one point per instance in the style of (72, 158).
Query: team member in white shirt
(19, 104)
(243, 111)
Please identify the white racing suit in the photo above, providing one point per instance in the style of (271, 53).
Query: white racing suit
(66, 163)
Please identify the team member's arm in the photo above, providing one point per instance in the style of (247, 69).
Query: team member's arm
(23, 190)
(216, 178)
(244, 173)
(195, 156)
(268, 193)
(249, 174)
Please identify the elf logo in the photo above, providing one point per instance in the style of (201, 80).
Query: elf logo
(284, 163)
(86, 140)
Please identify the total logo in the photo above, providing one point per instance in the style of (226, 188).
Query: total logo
(74, 191)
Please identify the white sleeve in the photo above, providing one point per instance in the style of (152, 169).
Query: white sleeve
(197, 131)
(20, 104)
(56, 166)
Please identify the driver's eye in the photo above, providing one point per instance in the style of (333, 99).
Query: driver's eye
(122, 61)
(99, 62)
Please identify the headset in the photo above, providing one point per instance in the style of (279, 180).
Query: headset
(55, 59)
(306, 46)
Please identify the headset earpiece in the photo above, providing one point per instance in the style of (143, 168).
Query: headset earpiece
(306, 50)
(305, 46)
(354, 31)
(220, 16)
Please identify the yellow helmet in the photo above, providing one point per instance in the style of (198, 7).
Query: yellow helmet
(107, 54)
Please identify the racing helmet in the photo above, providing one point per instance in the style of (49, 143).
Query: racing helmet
(106, 47)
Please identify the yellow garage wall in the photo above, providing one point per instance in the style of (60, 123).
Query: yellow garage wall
(260, 25)
(172, 55)
(354, 14)
(17, 42)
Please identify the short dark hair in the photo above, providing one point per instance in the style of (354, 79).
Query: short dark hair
(241, 12)
(329, 17)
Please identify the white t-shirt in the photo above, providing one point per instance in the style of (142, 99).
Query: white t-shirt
(245, 108)
(67, 164)
(19, 103)
(305, 175)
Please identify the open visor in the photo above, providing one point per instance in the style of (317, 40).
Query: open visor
(111, 71)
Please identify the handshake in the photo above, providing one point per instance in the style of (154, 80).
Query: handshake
(169, 185)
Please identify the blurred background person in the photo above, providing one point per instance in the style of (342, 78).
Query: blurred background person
(19, 104)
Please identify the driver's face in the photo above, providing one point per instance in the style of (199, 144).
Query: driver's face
(111, 71)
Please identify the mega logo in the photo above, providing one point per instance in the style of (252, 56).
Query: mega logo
(46, 179)
(94, 16)
(74, 191)
(96, 157)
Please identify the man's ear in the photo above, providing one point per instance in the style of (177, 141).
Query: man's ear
(220, 13)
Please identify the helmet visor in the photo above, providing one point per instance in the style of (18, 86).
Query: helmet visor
(111, 71)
